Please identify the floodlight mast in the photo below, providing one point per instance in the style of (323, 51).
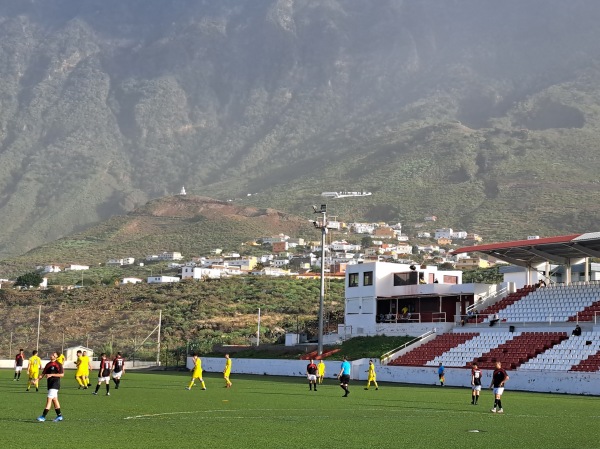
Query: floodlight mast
(323, 227)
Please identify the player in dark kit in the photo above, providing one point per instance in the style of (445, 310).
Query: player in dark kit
(53, 371)
(475, 383)
(499, 378)
(104, 374)
(19, 359)
(118, 369)
(311, 374)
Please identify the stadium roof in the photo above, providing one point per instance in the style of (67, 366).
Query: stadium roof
(559, 250)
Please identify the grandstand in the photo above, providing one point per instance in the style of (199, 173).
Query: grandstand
(533, 327)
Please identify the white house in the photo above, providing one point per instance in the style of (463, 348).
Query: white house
(120, 262)
(459, 235)
(170, 255)
(77, 267)
(51, 269)
(131, 280)
(162, 279)
(200, 273)
(443, 233)
(424, 235)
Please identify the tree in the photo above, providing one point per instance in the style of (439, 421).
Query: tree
(366, 242)
(31, 279)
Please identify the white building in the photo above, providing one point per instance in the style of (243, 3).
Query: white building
(459, 235)
(377, 292)
(121, 262)
(443, 233)
(51, 269)
(200, 273)
(77, 267)
(131, 280)
(162, 279)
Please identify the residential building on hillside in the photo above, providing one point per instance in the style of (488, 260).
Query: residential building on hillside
(444, 241)
(443, 233)
(121, 262)
(200, 273)
(75, 267)
(50, 269)
(474, 237)
(162, 279)
(131, 280)
(384, 232)
(471, 263)
(279, 247)
(424, 235)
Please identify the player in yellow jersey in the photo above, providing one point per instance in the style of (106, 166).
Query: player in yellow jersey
(86, 367)
(79, 372)
(196, 372)
(227, 371)
(321, 371)
(33, 370)
(61, 358)
(372, 376)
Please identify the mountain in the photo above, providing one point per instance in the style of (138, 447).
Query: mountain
(483, 113)
(188, 224)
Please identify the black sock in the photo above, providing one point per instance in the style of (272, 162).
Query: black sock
(499, 403)
(495, 402)
(45, 412)
(97, 388)
(57, 412)
(310, 386)
(107, 388)
(476, 398)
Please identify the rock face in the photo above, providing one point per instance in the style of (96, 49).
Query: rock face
(104, 106)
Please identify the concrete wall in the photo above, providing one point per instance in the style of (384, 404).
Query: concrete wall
(533, 380)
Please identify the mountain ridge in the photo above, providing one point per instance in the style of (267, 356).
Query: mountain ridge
(438, 109)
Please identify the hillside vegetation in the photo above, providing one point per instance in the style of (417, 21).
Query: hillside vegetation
(483, 113)
(195, 315)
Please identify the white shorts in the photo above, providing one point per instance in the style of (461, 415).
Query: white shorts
(499, 391)
(52, 393)
(312, 377)
(117, 375)
(18, 369)
(476, 387)
(104, 379)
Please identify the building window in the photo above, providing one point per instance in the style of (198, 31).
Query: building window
(368, 278)
(407, 278)
(353, 280)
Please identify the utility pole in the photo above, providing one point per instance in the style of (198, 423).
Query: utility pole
(323, 227)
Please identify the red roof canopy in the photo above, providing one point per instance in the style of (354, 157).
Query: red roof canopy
(560, 249)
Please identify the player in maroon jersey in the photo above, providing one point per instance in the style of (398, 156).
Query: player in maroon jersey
(104, 374)
(311, 374)
(475, 383)
(53, 371)
(19, 359)
(118, 369)
(499, 378)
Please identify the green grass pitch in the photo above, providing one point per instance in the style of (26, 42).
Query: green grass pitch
(153, 410)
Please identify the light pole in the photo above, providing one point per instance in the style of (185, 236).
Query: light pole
(323, 227)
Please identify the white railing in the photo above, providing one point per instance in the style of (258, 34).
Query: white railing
(438, 317)
(486, 300)
(385, 358)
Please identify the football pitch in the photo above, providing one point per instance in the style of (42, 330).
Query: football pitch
(153, 410)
